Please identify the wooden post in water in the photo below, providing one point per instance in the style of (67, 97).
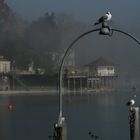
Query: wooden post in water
(134, 123)
(60, 130)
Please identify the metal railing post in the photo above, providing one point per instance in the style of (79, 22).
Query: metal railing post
(134, 123)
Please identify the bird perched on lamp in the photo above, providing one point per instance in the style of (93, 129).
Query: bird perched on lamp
(104, 18)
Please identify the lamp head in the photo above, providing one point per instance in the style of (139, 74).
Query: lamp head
(104, 31)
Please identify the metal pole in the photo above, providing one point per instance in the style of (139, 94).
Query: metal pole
(60, 127)
(134, 123)
(66, 54)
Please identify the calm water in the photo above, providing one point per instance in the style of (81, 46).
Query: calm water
(105, 115)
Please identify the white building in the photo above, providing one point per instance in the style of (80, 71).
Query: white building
(105, 71)
(102, 73)
(4, 65)
(102, 67)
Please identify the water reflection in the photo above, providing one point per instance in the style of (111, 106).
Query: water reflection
(104, 115)
(5, 116)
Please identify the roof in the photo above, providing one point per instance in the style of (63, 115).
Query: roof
(3, 59)
(101, 61)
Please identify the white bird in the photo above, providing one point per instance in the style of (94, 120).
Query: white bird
(104, 18)
(131, 102)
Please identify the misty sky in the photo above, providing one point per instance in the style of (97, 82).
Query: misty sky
(123, 11)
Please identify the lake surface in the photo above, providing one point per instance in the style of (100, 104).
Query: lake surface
(33, 117)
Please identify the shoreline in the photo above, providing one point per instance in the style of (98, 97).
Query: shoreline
(51, 92)
(56, 92)
(30, 92)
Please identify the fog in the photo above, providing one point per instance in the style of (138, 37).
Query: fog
(70, 21)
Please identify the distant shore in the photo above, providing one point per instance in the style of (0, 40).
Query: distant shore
(30, 92)
(52, 92)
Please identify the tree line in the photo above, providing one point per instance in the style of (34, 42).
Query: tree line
(42, 41)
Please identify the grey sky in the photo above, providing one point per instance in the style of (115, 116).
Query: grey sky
(124, 11)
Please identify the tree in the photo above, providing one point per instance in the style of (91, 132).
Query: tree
(42, 39)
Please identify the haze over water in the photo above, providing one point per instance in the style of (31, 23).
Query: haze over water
(33, 117)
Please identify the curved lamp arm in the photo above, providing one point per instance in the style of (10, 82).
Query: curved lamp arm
(128, 34)
(70, 47)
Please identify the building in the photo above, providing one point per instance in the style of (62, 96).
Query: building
(99, 74)
(5, 65)
(102, 73)
(102, 67)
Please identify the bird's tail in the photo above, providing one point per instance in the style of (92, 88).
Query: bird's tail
(96, 23)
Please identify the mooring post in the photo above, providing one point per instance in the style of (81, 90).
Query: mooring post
(60, 130)
(134, 122)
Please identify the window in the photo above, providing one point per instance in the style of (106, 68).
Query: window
(109, 68)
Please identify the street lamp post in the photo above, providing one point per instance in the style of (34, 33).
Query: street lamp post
(103, 30)
(66, 54)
